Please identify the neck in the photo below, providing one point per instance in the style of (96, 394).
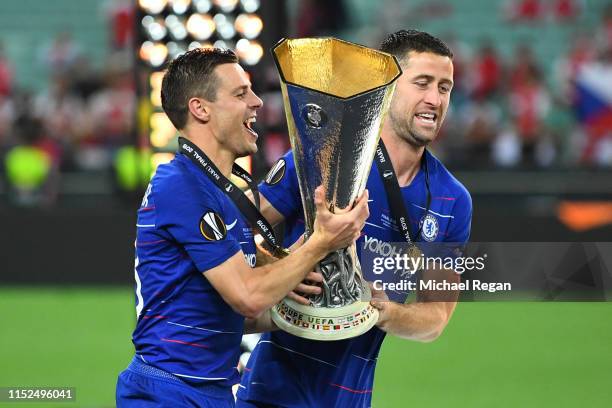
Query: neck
(222, 158)
(405, 158)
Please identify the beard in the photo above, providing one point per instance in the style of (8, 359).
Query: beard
(407, 131)
(416, 139)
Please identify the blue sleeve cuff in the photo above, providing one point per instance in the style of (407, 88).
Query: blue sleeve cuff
(205, 260)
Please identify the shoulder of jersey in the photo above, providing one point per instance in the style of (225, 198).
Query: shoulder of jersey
(449, 181)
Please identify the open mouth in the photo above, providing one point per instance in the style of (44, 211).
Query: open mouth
(249, 123)
(427, 118)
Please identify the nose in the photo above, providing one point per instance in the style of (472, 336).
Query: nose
(255, 101)
(432, 97)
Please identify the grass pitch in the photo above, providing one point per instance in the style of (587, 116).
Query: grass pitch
(491, 354)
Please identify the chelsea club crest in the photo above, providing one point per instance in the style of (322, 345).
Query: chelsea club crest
(429, 228)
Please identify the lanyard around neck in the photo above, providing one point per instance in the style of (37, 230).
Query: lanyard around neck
(394, 194)
(249, 210)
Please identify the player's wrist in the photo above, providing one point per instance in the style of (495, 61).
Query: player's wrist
(316, 246)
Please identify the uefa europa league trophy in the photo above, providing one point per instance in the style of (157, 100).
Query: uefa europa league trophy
(336, 95)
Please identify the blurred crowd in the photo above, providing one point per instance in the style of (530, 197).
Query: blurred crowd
(513, 109)
(505, 112)
(79, 122)
(517, 111)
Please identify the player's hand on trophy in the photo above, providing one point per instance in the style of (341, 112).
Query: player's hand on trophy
(378, 295)
(336, 231)
(381, 302)
(309, 286)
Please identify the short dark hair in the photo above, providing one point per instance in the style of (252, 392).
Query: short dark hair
(191, 75)
(402, 42)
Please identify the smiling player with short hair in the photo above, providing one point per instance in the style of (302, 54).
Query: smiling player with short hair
(288, 371)
(195, 272)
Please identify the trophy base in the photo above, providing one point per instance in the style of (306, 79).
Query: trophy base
(319, 323)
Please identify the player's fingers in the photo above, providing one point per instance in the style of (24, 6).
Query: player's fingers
(319, 199)
(366, 207)
(314, 277)
(363, 197)
(380, 297)
(376, 293)
(361, 211)
(362, 201)
(307, 289)
(377, 304)
(299, 299)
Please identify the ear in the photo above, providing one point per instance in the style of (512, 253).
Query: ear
(200, 109)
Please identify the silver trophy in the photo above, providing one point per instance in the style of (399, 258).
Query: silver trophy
(336, 95)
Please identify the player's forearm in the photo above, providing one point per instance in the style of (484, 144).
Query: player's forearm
(425, 319)
(415, 321)
(268, 284)
(261, 324)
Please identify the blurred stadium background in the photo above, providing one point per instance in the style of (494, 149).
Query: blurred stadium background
(529, 133)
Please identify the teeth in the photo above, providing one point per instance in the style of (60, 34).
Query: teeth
(427, 117)
(249, 122)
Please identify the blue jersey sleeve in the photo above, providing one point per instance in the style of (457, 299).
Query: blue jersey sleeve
(460, 227)
(197, 221)
(281, 188)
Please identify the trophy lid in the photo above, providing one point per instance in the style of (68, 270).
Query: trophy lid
(335, 67)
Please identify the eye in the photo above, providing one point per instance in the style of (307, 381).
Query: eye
(421, 84)
(445, 89)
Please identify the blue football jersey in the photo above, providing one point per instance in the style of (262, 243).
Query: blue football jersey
(186, 226)
(291, 371)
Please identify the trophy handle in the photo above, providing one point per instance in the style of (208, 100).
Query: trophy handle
(342, 281)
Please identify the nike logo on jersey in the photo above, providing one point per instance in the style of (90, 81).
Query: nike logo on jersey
(232, 225)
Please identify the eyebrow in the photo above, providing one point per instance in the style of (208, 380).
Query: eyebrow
(240, 88)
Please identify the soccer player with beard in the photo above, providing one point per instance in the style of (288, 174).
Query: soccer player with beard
(288, 371)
